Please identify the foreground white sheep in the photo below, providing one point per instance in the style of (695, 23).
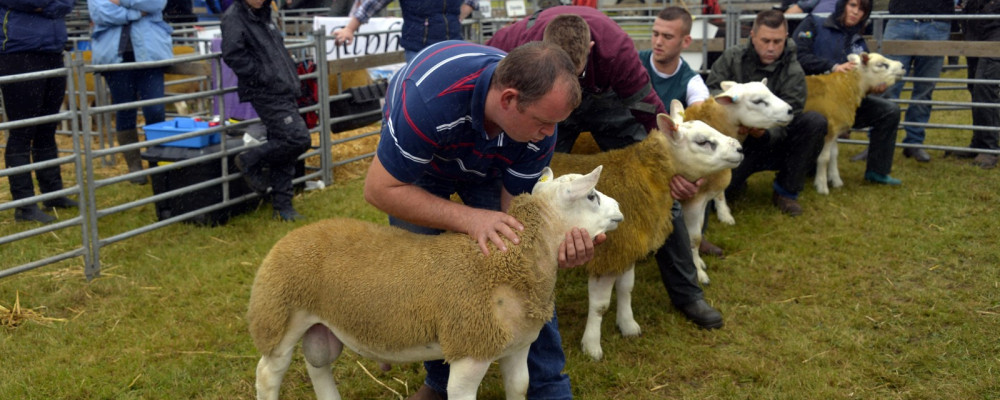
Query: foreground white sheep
(396, 296)
(837, 96)
(640, 174)
(749, 105)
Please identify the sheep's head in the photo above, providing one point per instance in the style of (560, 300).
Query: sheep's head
(875, 69)
(697, 148)
(575, 198)
(754, 105)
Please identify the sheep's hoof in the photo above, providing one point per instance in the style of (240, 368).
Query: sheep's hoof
(594, 352)
(703, 277)
(836, 183)
(822, 189)
(727, 219)
(629, 328)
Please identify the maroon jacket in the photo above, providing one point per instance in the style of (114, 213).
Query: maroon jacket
(613, 64)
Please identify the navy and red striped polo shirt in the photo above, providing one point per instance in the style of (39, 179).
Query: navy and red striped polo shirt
(432, 122)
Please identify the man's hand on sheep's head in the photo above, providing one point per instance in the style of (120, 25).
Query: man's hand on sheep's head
(487, 226)
(578, 248)
(683, 189)
(844, 67)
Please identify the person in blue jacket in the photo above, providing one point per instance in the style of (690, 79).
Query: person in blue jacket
(128, 31)
(424, 22)
(32, 38)
(824, 43)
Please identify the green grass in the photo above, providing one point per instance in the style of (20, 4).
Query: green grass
(874, 293)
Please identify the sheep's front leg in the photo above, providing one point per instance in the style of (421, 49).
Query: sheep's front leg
(833, 171)
(822, 166)
(722, 210)
(514, 368)
(623, 288)
(693, 212)
(599, 293)
(321, 348)
(465, 376)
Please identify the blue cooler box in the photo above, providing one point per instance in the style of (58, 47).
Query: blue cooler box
(178, 126)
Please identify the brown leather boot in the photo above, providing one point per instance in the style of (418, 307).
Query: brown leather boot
(786, 205)
(710, 248)
(132, 157)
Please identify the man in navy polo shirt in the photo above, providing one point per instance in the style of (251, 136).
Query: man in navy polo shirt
(469, 119)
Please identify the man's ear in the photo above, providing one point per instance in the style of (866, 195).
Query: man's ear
(508, 98)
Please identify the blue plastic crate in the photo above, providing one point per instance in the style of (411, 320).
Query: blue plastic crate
(178, 126)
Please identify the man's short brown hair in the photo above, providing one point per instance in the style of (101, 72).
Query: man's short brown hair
(532, 69)
(773, 19)
(572, 34)
(674, 13)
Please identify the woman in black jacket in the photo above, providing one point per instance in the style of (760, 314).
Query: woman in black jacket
(824, 44)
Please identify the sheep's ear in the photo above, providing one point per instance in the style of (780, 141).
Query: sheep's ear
(546, 175)
(583, 185)
(724, 99)
(676, 110)
(857, 60)
(764, 81)
(666, 125)
(725, 85)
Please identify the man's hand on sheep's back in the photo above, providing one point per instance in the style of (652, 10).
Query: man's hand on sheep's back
(683, 189)
(578, 248)
(486, 226)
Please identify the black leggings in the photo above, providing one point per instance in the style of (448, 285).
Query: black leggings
(27, 99)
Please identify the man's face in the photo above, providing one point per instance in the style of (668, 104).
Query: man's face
(538, 120)
(255, 4)
(668, 40)
(769, 43)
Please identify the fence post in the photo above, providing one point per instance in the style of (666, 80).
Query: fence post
(85, 168)
(323, 83)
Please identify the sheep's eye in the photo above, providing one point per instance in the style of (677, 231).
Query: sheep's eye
(760, 102)
(701, 142)
(593, 197)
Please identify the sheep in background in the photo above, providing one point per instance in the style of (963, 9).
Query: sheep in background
(837, 96)
(639, 175)
(749, 105)
(396, 296)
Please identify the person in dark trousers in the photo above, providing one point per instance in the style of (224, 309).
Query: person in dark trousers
(32, 38)
(823, 45)
(983, 68)
(619, 108)
(790, 150)
(253, 47)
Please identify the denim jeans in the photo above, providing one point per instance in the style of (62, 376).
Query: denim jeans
(136, 84)
(919, 66)
(545, 357)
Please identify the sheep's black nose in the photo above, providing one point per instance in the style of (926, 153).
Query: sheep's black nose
(739, 150)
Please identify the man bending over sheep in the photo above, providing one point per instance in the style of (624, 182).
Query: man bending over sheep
(463, 118)
(824, 44)
(618, 108)
(790, 150)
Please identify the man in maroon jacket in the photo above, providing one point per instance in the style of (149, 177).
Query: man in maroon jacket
(619, 105)
(619, 108)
